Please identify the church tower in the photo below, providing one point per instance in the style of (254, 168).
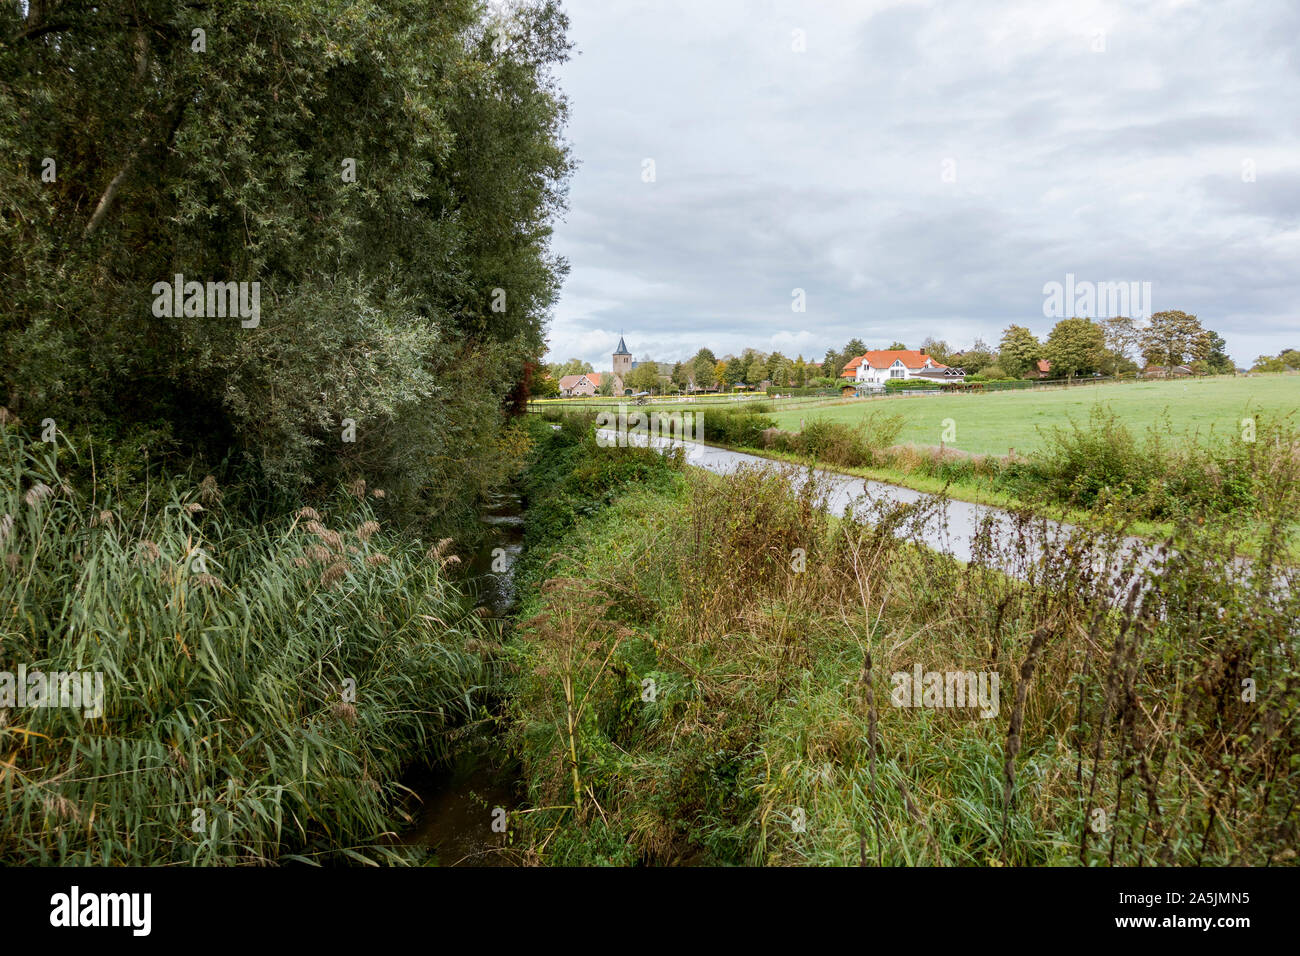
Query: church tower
(622, 365)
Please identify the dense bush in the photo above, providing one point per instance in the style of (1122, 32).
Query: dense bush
(743, 426)
(570, 475)
(1156, 476)
(837, 443)
(910, 385)
(405, 300)
(790, 390)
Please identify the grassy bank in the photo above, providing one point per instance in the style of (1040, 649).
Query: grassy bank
(708, 667)
(264, 683)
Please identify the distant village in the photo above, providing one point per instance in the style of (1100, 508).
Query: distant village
(1171, 344)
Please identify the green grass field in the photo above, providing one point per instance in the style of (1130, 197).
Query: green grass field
(993, 423)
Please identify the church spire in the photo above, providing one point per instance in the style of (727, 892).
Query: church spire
(622, 349)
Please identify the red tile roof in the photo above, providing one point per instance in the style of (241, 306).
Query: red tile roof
(569, 381)
(884, 358)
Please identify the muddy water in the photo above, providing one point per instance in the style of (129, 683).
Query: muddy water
(457, 805)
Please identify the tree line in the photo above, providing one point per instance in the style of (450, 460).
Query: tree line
(1073, 347)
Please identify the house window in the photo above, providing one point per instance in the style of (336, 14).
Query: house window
(897, 372)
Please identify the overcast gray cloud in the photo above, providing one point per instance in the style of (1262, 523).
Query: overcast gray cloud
(923, 168)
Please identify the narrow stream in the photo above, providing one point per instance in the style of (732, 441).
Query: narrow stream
(457, 805)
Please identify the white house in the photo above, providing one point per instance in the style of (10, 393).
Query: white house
(877, 368)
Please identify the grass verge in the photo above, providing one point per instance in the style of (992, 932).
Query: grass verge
(716, 671)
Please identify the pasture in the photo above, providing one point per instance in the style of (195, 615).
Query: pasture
(991, 423)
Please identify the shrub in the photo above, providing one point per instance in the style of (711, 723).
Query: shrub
(743, 426)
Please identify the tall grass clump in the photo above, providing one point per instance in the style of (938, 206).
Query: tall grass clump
(1156, 474)
(838, 443)
(743, 426)
(264, 685)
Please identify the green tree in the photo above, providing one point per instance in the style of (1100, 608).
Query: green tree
(978, 357)
(1217, 360)
(1122, 335)
(773, 365)
(1285, 360)
(1076, 346)
(545, 386)
(937, 349)
(735, 373)
(1019, 351)
(386, 174)
(704, 369)
(832, 364)
(1174, 337)
(643, 378)
(572, 367)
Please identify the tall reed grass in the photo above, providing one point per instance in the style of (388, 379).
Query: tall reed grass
(265, 684)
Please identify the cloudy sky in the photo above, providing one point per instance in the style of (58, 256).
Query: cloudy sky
(924, 168)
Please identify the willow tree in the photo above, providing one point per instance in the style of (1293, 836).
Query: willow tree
(387, 173)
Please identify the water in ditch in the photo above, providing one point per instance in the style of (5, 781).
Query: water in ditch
(459, 809)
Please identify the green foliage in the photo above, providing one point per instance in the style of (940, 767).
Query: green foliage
(1075, 346)
(643, 378)
(1157, 477)
(1288, 360)
(570, 476)
(225, 649)
(769, 736)
(1174, 338)
(786, 391)
(743, 426)
(835, 443)
(378, 293)
(1019, 351)
(910, 385)
(572, 367)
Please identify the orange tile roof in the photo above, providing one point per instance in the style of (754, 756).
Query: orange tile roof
(569, 381)
(884, 358)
